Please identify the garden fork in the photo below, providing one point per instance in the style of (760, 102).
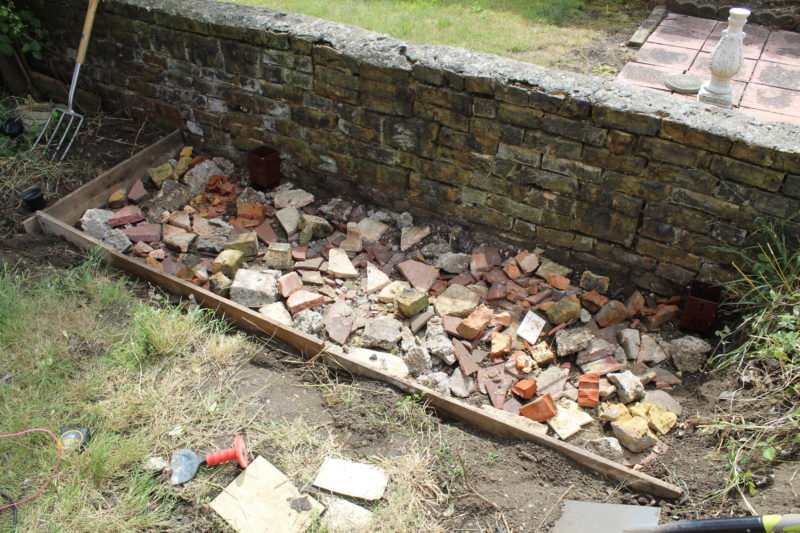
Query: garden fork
(64, 123)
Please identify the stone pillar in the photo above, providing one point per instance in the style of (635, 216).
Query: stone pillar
(726, 60)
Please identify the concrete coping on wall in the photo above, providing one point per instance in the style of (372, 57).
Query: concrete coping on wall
(382, 51)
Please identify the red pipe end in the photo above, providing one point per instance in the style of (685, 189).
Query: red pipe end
(241, 451)
(238, 452)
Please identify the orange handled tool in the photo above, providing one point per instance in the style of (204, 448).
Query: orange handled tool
(185, 463)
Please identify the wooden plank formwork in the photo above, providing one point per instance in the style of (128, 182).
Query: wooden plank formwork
(60, 218)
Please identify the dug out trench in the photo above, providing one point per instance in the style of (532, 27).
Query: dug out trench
(336, 303)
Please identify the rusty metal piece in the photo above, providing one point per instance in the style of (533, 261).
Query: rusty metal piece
(701, 306)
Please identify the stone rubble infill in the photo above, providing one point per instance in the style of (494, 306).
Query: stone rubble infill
(548, 348)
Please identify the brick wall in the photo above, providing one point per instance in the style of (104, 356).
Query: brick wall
(625, 180)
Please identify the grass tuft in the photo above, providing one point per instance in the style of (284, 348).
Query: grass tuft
(763, 425)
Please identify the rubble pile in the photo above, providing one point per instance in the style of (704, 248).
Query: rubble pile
(512, 331)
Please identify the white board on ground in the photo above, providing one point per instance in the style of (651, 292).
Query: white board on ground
(531, 327)
(263, 500)
(358, 480)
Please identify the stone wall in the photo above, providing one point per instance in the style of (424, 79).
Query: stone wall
(780, 14)
(628, 181)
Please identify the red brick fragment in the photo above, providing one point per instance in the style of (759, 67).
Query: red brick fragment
(589, 381)
(450, 325)
(635, 304)
(541, 409)
(289, 284)
(588, 398)
(299, 253)
(612, 313)
(479, 264)
(525, 388)
(593, 301)
(663, 314)
(144, 233)
(137, 193)
(496, 292)
(511, 269)
(492, 254)
(471, 327)
(266, 233)
(558, 282)
(130, 214)
(303, 299)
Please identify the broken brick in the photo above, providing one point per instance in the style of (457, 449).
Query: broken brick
(663, 314)
(464, 357)
(298, 252)
(635, 304)
(144, 233)
(589, 381)
(541, 409)
(588, 398)
(419, 275)
(527, 261)
(130, 214)
(558, 282)
(265, 232)
(496, 292)
(450, 324)
(496, 275)
(411, 301)
(525, 388)
(542, 354)
(117, 199)
(138, 193)
(593, 301)
(289, 284)
(612, 313)
(479, 264)
(491, 253)
(503, 318)
(511, 269)
(471, 327)
(304, 299)
(251, 211)
(501, 345)
(593, 282)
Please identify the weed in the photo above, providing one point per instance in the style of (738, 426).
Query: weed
(765, 300)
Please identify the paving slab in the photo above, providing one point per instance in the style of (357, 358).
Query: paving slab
(679, 36)
(642, 75)
(782, 47)
(662, 55)
(777, 75)
(696, 24)
(772, 99)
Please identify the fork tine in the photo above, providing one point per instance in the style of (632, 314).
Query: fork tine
(67, 129)
(72, 139)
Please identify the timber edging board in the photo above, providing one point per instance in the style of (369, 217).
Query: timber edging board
(59, 219)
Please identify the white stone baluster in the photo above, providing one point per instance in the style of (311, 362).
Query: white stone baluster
(726, 61)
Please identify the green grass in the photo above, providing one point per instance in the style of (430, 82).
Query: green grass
(764, 426)
(79, 349)
(539, 31)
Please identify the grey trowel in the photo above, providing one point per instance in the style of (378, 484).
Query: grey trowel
(587, 517)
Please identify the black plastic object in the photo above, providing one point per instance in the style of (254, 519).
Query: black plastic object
(74, 438)
(701, 306)
(12, 127)
(264, 164)
(34, 199)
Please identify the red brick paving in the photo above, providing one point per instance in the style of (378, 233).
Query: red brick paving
(767, 87)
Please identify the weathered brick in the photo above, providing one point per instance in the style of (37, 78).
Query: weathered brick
(460, 103)
(545, 101)
(667, 253)
(484, 107)
(694, 137)
(484, 127)
(387, 179)
(600, 157)
(439, 114)
(611, 199)
(433, 193)
(620, 142)
(443, 172)
(686, 178)
(675, 273)
(626, 121)
(473, 196)
(468, 160)
(313, 118)
(486, 217)
(427, 74)
(556, 221)
(498, 186)
(524, 228)
(555, 146)
(705, 247)
(566, 239)
(660, 231)
(519, 154)
(512, 94)
(546, 180)
(775, 204)
(520, 116)
(410, 135)
(574, 129)
(241, 58)
(479, 85)
(575, 108)
(727, 233)
(753, 153)
(515, 209)
(466, 141)
(636, 186)
(670, 152)
(336, 78)
(704, 202)
(618, 254)
(604, 223)
(581, 171)
(791, 186)
(715, 274)
(788, 161)
(732, 169)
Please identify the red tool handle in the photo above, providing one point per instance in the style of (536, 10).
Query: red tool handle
(238, 451)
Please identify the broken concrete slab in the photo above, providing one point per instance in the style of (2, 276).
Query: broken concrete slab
(573, 340)
(254, 288)
(277, 312)
(381, 361)
(651, 351)
(376, 279)
(629, 387)
(456, 300)
(339, 320)
(383, 332)
(289, 218)
(117, 239)
(94, 222)
(437, 343)
(634, 434)
(410, 236)
(569, 419)
(551, 380)
(371, 229)
(389, 292)
(453, 263)
(664, 400)
(340, 266)
(292, 198)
